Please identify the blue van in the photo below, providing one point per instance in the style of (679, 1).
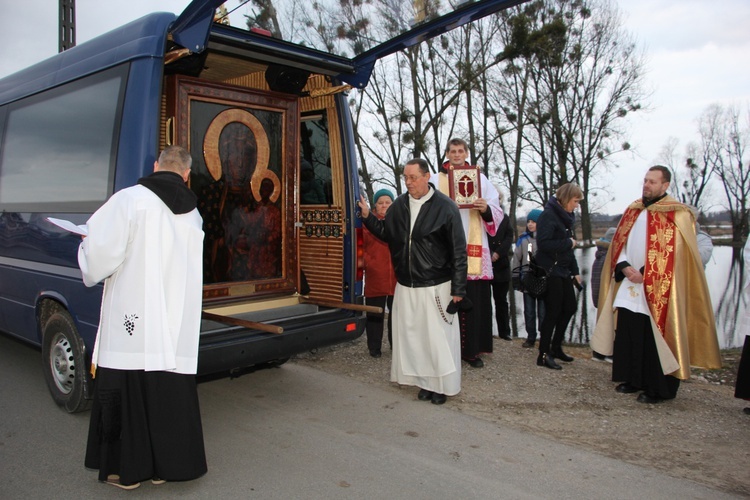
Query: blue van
(268, 125)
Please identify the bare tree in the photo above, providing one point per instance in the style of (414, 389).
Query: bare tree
(591, 80)
(380, 117)
(726, 134)
(527, 45)
(690, 172)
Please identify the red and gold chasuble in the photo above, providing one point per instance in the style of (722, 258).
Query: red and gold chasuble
(659, 268)
(675, 287)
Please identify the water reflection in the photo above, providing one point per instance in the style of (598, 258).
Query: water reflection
(726, 295)
(724, 273)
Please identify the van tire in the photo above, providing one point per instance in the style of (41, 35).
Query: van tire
(64, 362)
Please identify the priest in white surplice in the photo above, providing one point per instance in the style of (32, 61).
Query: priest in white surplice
(425, 236)
(146, 244)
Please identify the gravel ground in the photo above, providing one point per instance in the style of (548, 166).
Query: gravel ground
(702, 435)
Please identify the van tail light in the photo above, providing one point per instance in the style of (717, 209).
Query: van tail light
(360, 253)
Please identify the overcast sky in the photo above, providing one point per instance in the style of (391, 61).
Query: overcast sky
(698, 54)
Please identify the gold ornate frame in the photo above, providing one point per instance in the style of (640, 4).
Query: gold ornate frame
(241, 105)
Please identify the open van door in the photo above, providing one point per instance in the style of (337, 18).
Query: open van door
(192, 28)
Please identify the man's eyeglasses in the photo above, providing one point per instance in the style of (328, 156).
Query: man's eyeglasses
(412, 178)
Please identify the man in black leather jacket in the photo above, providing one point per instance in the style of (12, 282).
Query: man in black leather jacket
(425, 236)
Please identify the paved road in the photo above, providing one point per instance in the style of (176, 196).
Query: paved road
(295, 432)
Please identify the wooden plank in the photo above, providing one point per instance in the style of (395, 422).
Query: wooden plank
(229, 320)
(341, 305)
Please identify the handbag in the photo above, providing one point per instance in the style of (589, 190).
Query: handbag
(534, 281)
(532, 278)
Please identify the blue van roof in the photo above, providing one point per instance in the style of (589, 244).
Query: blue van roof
(142, 38)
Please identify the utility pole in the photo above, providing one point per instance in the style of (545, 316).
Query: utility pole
(67, 25)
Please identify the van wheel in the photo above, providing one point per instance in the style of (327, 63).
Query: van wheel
(63, 362)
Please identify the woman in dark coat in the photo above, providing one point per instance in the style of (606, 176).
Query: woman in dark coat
(555, 255)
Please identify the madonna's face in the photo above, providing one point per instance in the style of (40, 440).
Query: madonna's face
(238, 152)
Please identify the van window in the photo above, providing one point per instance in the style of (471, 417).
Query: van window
(72, 167)
(315, 164)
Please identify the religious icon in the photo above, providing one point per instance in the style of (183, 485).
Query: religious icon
(243, 174)
(464, 185)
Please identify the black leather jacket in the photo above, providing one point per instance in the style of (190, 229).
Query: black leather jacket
(436, 252)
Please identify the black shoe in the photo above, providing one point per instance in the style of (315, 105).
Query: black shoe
(645, 398)
(506, 337)
(438, 399)
(424, 395)
(475, 362)
(626, 388)
(595, 356)
(559, 354)
(528, 343)
(548, 361)
(375, 353)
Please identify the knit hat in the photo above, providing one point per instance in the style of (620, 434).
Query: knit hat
(534, 215)
(604, 242)
(381, 192)
(609, 235)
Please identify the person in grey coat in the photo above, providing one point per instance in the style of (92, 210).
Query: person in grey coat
(533, 307)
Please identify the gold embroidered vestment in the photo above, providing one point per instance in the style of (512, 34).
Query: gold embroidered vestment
(675, 286)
